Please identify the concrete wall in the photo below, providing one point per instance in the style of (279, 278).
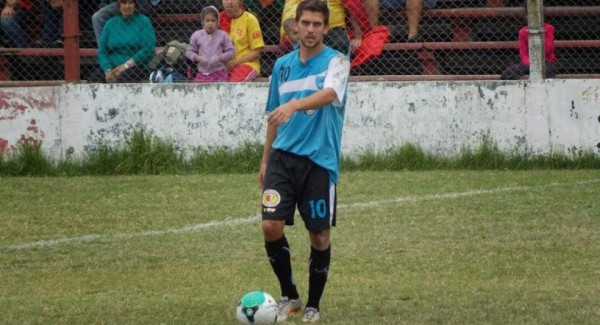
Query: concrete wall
(440, 117)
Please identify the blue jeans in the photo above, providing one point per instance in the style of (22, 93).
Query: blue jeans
(12, 27)
(52, 28)
(110, 10)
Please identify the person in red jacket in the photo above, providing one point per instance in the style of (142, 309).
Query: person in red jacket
(520, 69)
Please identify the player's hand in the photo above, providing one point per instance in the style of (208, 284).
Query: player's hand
(261, 175)
(282, 114)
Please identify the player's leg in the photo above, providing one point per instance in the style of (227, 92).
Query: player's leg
(318, 210)
(318, 270)
(278, 206)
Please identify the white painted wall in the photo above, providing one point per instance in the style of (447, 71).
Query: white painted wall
(440, 117)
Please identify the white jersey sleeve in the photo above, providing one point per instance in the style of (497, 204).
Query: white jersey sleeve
(337, 76)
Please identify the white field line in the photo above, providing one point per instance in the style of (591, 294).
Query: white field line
(254, 218)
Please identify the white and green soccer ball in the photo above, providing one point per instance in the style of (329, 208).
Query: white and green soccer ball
(256, 307)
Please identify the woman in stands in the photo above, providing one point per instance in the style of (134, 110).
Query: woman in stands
(126, 46)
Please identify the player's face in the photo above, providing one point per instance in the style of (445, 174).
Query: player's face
(311, 28)
(209, 23)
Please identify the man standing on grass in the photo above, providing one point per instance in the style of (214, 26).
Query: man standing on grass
(300, 163)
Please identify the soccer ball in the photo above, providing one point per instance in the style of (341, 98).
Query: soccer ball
(256, 307)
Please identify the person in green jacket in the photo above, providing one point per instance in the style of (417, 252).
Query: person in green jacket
(126, 46)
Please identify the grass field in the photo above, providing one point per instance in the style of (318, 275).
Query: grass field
(431, 247)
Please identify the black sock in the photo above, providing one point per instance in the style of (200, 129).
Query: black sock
(318, 268)
(279, 255)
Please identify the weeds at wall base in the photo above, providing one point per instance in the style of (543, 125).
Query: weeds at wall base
(147, 155)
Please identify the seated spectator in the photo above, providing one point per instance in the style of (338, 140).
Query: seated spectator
(372, 11)
(100, 17)
(366, 39)
(17, 16)
(337, 35)
(126, 46)
(520, 69)
(210, 48)
(268, 13)
(291, 37)
(414, 9)
(246, 35)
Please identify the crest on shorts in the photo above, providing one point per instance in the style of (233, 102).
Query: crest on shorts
(271, 198)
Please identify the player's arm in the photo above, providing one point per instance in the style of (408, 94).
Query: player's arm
(314, 101)
(271, 136)
(333, 92)
(272, 103)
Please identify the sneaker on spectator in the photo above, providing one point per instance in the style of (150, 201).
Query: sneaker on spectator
(288, 307)
(311, 315)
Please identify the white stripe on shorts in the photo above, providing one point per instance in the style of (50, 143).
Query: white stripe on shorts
(331, 201)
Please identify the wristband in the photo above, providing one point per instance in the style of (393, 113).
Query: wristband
(127, 66)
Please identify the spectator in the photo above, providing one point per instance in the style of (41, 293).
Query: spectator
(366, 39)
(337, 36)
(246, 35)
(414, 9)
(268, 13)
(17, 15)
(291, 37)
(100, 17)
(372, 11)
(520, 69)
(210, 48)
(126, 46)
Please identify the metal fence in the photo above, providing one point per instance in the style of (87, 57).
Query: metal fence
(419, 39)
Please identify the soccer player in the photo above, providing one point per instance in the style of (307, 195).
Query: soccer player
(300, 163)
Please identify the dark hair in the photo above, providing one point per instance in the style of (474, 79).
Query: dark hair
(120, 2)
(313, 5)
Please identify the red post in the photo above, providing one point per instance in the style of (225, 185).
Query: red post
(71, 32)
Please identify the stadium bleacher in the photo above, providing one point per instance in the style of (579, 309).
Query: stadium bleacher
(463, 39)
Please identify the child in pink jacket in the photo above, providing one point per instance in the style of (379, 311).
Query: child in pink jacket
(210, 48)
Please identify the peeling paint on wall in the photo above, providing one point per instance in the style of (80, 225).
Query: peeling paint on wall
(440, 117)
(29, 115)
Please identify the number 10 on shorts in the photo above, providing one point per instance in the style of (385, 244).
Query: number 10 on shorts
(318, 208)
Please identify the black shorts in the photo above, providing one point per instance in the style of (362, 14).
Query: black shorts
(292, 180)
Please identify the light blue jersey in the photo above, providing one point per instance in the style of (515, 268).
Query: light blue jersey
(316, 134)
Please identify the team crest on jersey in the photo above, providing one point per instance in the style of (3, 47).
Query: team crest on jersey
(309, 112)
(271, 198)
(320, 81)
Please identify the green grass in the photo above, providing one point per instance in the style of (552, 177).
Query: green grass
(423, 247)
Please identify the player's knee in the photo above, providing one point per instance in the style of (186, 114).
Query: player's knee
(319, 240)
(272, 230)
